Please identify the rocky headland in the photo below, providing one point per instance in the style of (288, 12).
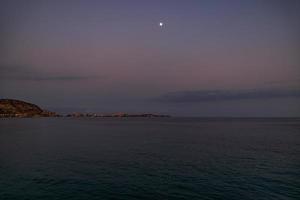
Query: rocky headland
(17, 108)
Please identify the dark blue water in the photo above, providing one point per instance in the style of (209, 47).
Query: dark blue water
(169, 158)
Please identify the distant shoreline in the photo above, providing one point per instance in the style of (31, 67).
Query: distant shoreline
(12, 108)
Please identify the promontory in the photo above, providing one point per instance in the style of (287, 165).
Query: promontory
(17, 108)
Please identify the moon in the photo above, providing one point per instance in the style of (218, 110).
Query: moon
(161, 24)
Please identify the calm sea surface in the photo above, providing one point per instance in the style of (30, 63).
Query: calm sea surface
(168, 158)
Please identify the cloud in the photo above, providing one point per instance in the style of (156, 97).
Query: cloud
(21, 73)
(226, 95)
(55, 78)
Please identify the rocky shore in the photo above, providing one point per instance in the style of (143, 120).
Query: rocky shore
(16, 108)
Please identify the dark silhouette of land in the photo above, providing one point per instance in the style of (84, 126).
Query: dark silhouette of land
(16, 108)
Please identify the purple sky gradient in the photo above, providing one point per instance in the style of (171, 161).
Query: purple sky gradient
(108, 56)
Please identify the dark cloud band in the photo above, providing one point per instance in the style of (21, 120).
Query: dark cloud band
(25, 73)
(226, 95)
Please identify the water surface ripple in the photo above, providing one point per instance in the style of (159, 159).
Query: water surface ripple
(168, 158)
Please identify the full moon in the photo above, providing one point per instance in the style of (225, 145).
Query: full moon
(161, 24)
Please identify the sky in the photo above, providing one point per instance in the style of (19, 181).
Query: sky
(210, 58)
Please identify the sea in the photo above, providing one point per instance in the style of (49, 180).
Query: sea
(150, 158)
